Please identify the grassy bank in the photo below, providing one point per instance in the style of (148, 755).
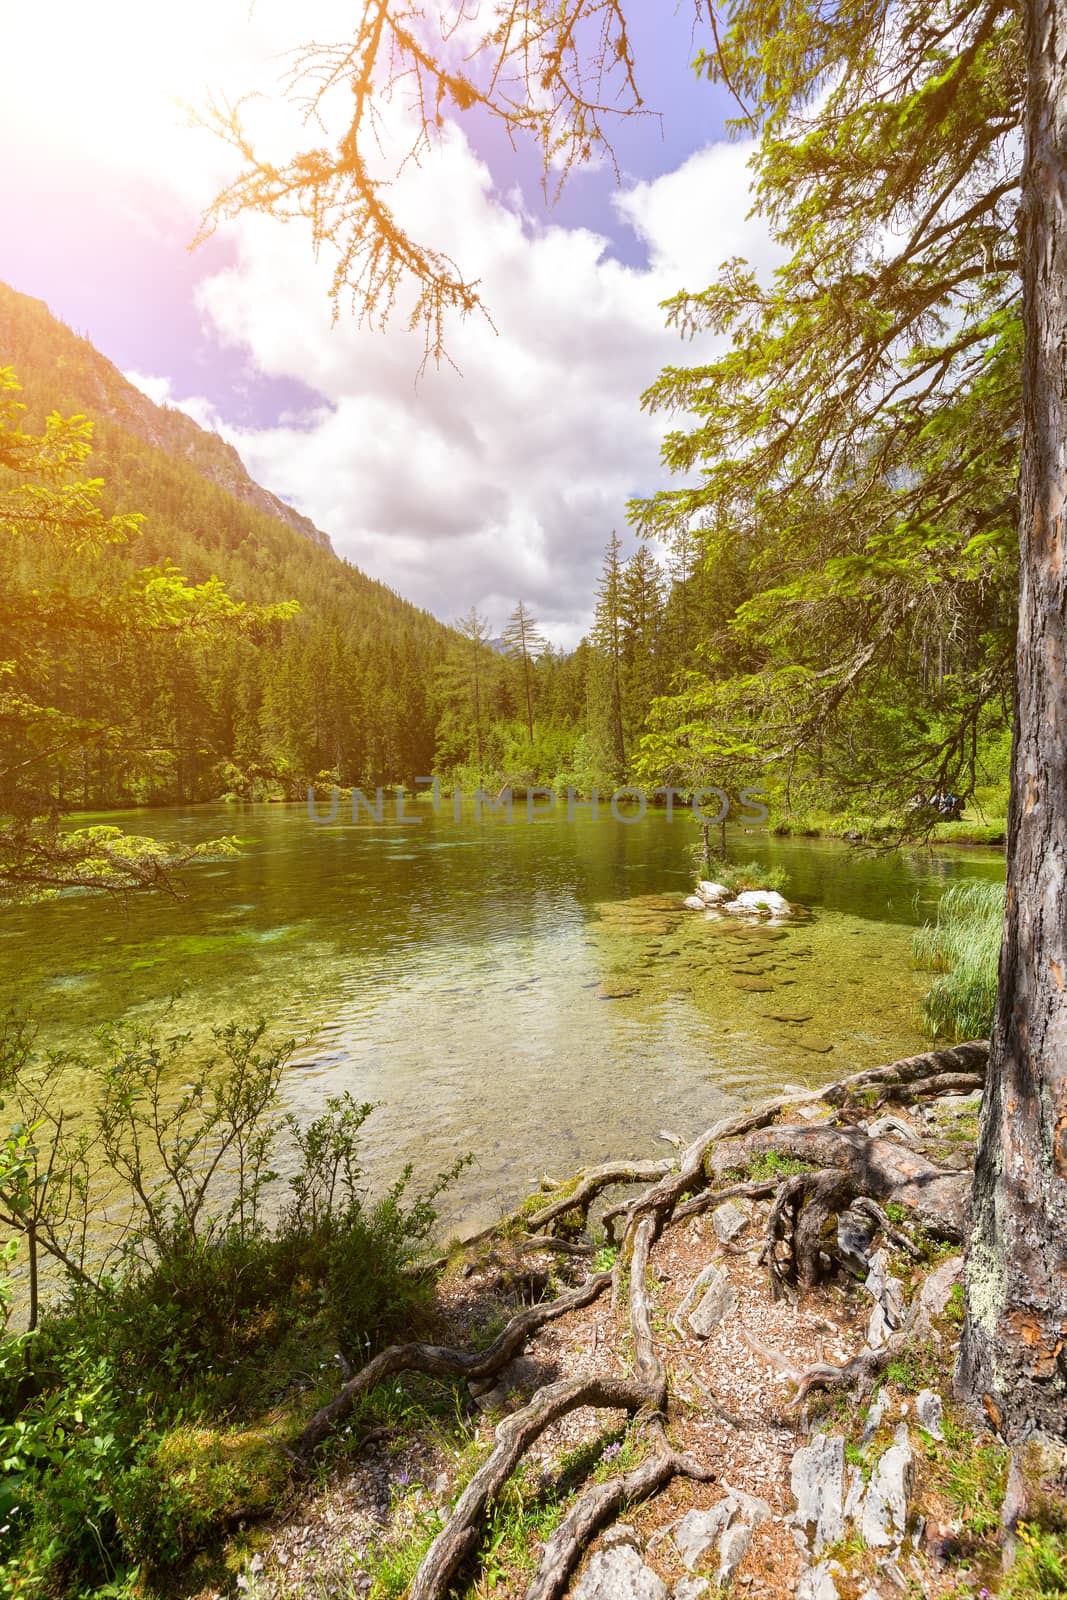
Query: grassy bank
(962, 948)
(977, 826)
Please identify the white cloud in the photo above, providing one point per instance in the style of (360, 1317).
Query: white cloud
(696, 217)
(506, 478)
(456, 490)
(161, 392)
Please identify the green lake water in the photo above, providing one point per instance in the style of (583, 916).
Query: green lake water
(531, 993)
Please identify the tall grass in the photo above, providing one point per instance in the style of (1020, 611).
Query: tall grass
(962, 947)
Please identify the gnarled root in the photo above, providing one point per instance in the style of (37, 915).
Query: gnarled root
(878, 1168)
(592, 1183)
(929, 1070)
(462, 1533)
(442, 1362)
(647, 1394)
(803, 1218)
(858, 1374)
(598, 1505)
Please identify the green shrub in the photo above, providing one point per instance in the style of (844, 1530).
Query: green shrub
(148, 1408)
(963, 949)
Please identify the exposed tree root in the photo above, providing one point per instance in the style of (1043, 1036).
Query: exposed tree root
(441, 1362)
(758, 1189)
(660, 1201)
(943, 1083)
(878, 1168)
(968, 1060)
(852, 1170)
(591, 1183)
(858, 1374)
(803, 1218)
(600, 1504)
(647, 1394)
(462, 1533)
(894, 1234)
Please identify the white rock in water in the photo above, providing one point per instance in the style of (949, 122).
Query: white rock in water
(712, 893)
(694, 903)
(760, 903)
(619, 1574)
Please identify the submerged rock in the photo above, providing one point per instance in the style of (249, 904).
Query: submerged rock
(693, 902)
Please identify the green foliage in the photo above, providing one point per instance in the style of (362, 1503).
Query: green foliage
(917, 1367)
(750, 875)
(971, 1473)
(1040, 1567)
(56, 535)
(851, 450)
(772, 1164)
(151, 1405)
(963, 948)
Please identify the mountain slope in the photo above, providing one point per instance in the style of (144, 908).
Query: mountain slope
(85, 380)
(346, 690)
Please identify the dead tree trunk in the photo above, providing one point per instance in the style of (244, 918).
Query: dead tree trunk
(1013, 1356)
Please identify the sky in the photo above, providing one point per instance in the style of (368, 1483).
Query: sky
(495, 479)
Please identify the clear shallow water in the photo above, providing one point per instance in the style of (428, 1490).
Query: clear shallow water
(531, 993)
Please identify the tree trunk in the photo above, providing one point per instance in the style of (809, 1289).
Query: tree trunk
(1013, 1358)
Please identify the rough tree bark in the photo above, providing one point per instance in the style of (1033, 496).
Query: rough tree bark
(1013, 1357)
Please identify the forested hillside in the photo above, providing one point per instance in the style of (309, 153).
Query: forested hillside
(359, 687)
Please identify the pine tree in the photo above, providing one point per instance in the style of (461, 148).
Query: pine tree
(607, 636)
(641, 602)
(474, 630)
(524, 643)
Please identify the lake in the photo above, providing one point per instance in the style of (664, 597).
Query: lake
(532, 993)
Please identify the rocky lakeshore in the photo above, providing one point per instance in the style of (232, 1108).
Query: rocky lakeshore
(739, 1380)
